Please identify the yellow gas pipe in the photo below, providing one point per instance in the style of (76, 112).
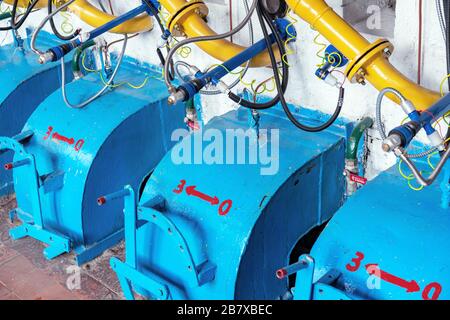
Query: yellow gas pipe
(96, 18)
(368, 62)
(187, 19)
(24, 3)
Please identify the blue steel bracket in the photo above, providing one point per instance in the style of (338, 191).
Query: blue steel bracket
(306, 289)
(201, 274)
(324, 289)
(128, 275)
(127, 272)
(304, 281)
(57, 244)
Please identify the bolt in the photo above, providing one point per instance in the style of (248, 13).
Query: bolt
(360, 77)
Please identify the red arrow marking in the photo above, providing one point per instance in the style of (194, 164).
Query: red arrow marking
(59, 137)
(410, 286)
(192, 192)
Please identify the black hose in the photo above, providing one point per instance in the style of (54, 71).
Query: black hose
(263, 15)
(14, 25)
(283, 86)
(55, 30)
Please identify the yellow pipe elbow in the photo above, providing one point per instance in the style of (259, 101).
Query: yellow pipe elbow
(186, 18)
(24, 3)
(96, 18)
(367, 61)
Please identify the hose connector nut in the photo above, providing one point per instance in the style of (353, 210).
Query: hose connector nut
(173, 99)
(46, 57)
(392, 142)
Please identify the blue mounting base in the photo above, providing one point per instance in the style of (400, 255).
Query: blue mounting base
(125, 272)
(57, 244)
(85, 254)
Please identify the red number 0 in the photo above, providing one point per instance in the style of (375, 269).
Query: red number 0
(436, 288)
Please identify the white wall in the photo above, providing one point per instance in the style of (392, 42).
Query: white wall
(305, 89)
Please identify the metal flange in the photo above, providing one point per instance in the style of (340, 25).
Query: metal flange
(176, 19)
(356, 69)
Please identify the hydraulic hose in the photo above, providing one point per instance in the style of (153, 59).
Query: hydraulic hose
(99, 93)
(380, 125)
(203, 39)
(351, 152)
(53, 26)
(370, 61)
(244, 72)
(42, 24)
(263, 15)
(77, 57)
(185, 18)
(14, 25)
(420, 178)
(441, 18)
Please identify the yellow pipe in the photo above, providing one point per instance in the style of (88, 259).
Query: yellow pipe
(377, 70)
(24, 3)
(193, 25)
(96, 18)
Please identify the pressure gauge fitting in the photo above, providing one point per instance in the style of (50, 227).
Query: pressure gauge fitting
(276, 8)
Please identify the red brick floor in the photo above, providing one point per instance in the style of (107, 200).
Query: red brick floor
(26, 275)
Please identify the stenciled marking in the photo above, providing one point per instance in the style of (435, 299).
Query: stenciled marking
(191, 191)
(430, 292)
(55, 136)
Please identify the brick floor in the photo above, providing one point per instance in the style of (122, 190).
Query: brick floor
(25, 274)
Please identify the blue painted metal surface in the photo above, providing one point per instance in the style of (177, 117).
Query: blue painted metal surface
(76, 155)
(24, 84)
(221, 231)
(387, 242)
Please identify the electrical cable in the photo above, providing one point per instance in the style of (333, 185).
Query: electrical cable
(185, 42)
(263, 15)
(241, 73)
(441, 19)
(42, 24)
(55, 30)
(105, 87)
(380, 125)
(14, 25)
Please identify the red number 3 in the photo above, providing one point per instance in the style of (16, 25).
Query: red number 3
(180, 187)
(356, 262)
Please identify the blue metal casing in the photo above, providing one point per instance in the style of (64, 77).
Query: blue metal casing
(220, 231)
(24, 84)
(76, 155)
(387, 242)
